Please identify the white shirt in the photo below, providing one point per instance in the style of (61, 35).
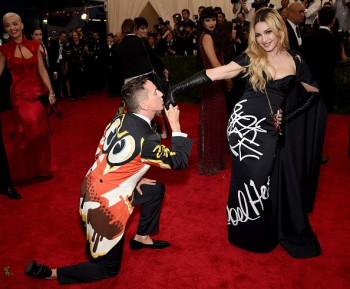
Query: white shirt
(177, 133)
(295, 32)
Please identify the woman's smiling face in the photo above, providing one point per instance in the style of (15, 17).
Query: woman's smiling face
(13, 26)
(265, 37)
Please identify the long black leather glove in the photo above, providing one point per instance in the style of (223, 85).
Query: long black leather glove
(193, 81)
(312, 98)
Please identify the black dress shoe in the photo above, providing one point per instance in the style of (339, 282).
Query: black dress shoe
(324, 160)
(157, 244)
(11, 193)
(33, 269)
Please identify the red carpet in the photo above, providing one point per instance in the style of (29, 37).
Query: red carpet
(44, 225)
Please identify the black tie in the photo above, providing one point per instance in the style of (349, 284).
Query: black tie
(297, 30)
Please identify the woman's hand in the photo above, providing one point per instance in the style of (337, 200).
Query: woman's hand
(52, 98)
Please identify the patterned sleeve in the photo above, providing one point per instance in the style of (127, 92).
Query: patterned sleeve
(156, 154)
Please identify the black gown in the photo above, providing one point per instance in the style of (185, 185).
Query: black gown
(265, 203)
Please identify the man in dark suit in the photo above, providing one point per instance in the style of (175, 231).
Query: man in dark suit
(115, 184)
(321, 50)
(57, 58)
(135, 55)
(295, 16)
(97, 49)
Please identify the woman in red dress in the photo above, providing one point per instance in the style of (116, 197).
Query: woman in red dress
(31, 152)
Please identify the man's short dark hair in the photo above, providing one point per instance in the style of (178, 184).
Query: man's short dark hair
(240, 12)
(326, 16)
(217, 9)
(132, 92)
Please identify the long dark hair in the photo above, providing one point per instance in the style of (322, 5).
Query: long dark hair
(206, 13)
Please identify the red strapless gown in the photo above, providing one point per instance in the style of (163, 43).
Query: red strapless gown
(31, 151)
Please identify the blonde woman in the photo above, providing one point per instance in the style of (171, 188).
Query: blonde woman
(265, 203)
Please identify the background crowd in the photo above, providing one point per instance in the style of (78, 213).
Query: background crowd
(81, 62)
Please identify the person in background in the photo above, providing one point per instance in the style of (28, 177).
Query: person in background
(135, 57)
(321, 51)
(96, 63)
(115, 185)
(284, 13)
(244, 6)
(37, 35)
(221, 17)
(116, 70)
(168, 45)
(58, 62)
(153, 40)
(212, 147)
(311, 10)
(189, 39)
(226, 43)
(186, 14)
(77, 66)
(185, 36)
(31, 152)
(176, 27)
(134, 54)
(284, 4)
(111, 80)
(141, 27)
(266, 199)
(118, 37)
(200, 9)
(241, 26)
(295, 17)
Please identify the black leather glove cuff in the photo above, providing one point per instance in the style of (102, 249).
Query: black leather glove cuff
(194, 81)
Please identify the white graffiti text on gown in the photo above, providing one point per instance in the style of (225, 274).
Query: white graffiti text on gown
(246, 145)
(249, 200)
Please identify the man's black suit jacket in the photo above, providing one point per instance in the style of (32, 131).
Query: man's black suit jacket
(131, 54)
(321, 51)
(293, 41)
(53, 53)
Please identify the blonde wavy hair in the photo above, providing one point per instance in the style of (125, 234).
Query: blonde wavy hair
(257, 55)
